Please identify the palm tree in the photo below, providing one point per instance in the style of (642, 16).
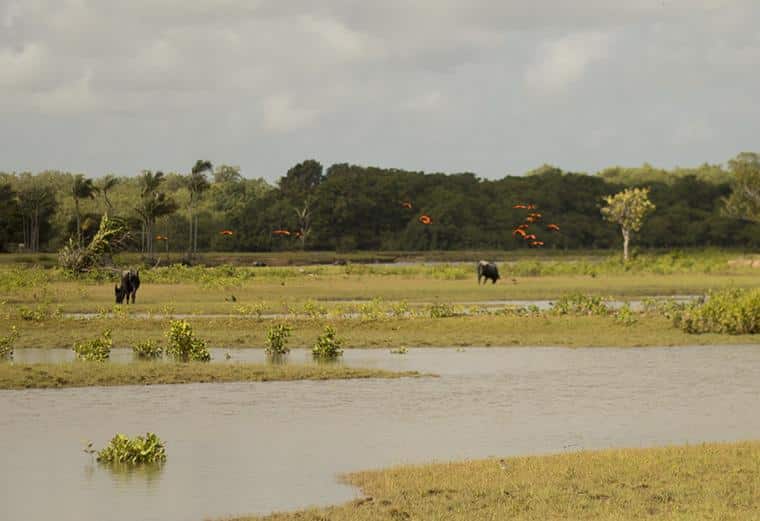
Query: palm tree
(153, 205)
(196, 184)
(107, 183)
(81, 188)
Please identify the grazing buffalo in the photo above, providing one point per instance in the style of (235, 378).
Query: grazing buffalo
(130, 281)
(487, 270)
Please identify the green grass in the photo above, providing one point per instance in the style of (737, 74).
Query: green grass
(545, 330)
(276, 294)
(702, 482)
(86, 374)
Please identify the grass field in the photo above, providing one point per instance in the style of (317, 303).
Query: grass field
(86, 374)
(36, 300)
(702, 482)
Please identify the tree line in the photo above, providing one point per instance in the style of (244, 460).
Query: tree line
(351, 207)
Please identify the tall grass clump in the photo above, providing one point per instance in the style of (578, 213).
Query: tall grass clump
(148, 350)
(731, 311)
(95, 350)
(133, 451)
(328, 346)
(6, 344)
(579, 304)
(277, 338)
(183, 345)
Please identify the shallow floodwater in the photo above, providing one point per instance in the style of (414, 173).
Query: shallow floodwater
(257, 447)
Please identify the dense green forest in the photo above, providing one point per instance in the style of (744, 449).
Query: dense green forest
(349, 207)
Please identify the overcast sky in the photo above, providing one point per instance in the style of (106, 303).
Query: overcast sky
(492, 87)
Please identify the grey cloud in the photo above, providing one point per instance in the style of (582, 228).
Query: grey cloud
(429, 84)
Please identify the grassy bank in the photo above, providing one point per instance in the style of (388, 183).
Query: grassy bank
(86, 374)
(545, 330)
(704, 482)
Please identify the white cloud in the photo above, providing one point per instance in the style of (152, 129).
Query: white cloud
(563, 62)
(75, 97)
(282, 115)
(23, 69)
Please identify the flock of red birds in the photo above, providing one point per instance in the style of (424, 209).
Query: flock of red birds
(533, 218)
(522, 230)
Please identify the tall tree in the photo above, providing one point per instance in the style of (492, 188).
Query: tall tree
(744, 201)
(197, 184)
(36, 202)
(81, 188)
(299, 187)
(8, 215)
(153, 205)
(106, 184)
(628, 209)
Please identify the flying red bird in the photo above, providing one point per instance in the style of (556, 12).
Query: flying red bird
(162, 238)
(530, 237)
(520, 206)
(537, 243)
(519, 231)
(407, 204)
(226, 232)
(552, 227)
(425, 219)
(281, 232)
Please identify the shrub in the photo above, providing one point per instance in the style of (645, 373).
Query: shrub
(183, 345)
(96, 350)
(135, 451)
(6, 344)
(39, 313)
(277, 337)
(442, 310)
(732, 311)
(579, 304)
(625, 315)
(328, 346)
(148, 350)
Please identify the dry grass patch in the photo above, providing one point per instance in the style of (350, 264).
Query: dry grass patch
(704, 482)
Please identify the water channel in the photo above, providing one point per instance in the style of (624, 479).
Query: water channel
(257, 447)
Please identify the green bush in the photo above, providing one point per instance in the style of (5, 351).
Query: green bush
(277, 337)
(579, 304)
(183, 345)
(6, 344)
(328, 345)
(148, 350)
(96, 350)
(136, 451)
(732, 311)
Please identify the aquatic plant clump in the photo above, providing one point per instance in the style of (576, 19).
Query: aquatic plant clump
(183, 345)
(328, 346)
(6, 344)
(277, 337)
(96, 350)
(148, 350)
(133, 451)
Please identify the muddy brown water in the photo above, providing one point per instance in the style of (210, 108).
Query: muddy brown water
(257, 447)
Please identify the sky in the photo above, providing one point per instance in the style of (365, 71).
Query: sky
(491, 87)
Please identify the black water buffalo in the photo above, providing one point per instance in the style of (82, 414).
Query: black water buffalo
(487, 270)
(130, 281)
